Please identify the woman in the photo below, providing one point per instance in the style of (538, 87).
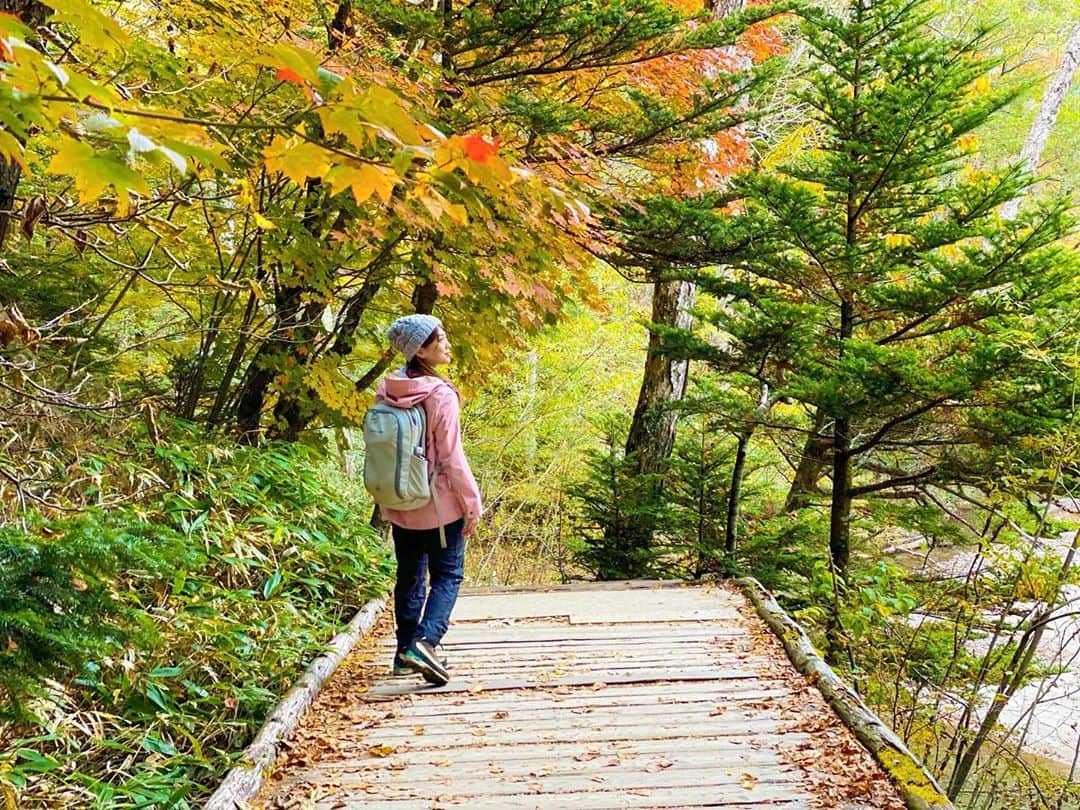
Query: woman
(423, 618)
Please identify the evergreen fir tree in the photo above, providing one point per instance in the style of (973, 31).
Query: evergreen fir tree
(927, 322)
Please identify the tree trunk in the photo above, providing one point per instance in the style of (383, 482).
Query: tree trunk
(32, 14)
(812, 462)
(840, 512)
(652, 430)
(731, 528)
(1048, 112)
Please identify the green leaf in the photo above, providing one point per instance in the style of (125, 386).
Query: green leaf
(158, 698)
(36, 762)
(271, 586)
(94, 171)
(158, 745)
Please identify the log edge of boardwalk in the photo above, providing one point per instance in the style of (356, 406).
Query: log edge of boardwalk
(244, 781)
(917, 785)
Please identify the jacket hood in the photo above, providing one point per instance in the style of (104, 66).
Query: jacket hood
(405, 392)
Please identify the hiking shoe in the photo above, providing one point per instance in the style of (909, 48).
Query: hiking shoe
(401, 666)
(421, 657)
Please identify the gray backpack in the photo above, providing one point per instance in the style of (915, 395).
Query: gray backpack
(395, 456)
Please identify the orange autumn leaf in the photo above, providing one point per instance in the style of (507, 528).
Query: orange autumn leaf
(480, 148)
(285, 74)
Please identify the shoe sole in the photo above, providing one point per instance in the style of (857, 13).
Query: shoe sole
(429, 673)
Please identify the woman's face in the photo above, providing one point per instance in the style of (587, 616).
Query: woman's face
(436, 353)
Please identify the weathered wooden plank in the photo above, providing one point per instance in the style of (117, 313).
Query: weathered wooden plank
(727, 748)
(764, 731)
(761, 763)
(530, 631)
(605, 677)
(641, 714)
(502, 732)
(548, 669)
(495, 783)
(507, 648)
(765, 796)
(608, 607)
(642, 704)
(627, 696)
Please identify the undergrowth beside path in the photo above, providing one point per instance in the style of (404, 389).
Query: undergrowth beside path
(141, 644)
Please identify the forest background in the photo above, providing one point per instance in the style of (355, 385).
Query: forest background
(626, 214)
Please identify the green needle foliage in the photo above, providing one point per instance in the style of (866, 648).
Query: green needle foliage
(923, 327)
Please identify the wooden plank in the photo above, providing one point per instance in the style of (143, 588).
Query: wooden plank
(763, 796)
(508, 634)
(545, 719)
(517, 707)
(764, 731)
(606, 778)
(764, 719)
(608, 607)
(508, 649)
(609, 696)
(544, 670)
(762, 764)
(725, 748)
(587, 679)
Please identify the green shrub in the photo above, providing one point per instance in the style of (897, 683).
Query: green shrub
(141, 646)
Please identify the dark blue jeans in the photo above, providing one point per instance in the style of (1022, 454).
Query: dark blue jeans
(422, 612)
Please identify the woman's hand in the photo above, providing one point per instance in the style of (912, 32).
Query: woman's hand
(470, 524)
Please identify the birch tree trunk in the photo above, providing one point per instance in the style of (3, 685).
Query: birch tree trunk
(1048, 112)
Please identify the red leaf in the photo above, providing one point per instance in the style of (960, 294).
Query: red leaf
(480, 147)
(289, 75)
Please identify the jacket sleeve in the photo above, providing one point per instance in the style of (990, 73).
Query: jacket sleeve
(450, 455)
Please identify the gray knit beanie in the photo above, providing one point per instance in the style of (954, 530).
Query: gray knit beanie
(408, 334)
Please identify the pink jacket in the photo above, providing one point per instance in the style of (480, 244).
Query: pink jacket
(455, 488)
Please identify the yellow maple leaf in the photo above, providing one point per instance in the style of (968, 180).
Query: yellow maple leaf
(95, 171)
(296, 158)
(363, 179)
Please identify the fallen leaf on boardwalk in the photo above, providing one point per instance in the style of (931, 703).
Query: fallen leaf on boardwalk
(418, 729)
(639, 792)
(495, 769)
(598, 778)
(658, 765)
(380, 750)
(439, 763)
(501, 715)
(586, 756)
(717, 711)
(748, 781)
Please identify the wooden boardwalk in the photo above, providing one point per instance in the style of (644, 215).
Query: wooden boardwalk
(587, 697)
